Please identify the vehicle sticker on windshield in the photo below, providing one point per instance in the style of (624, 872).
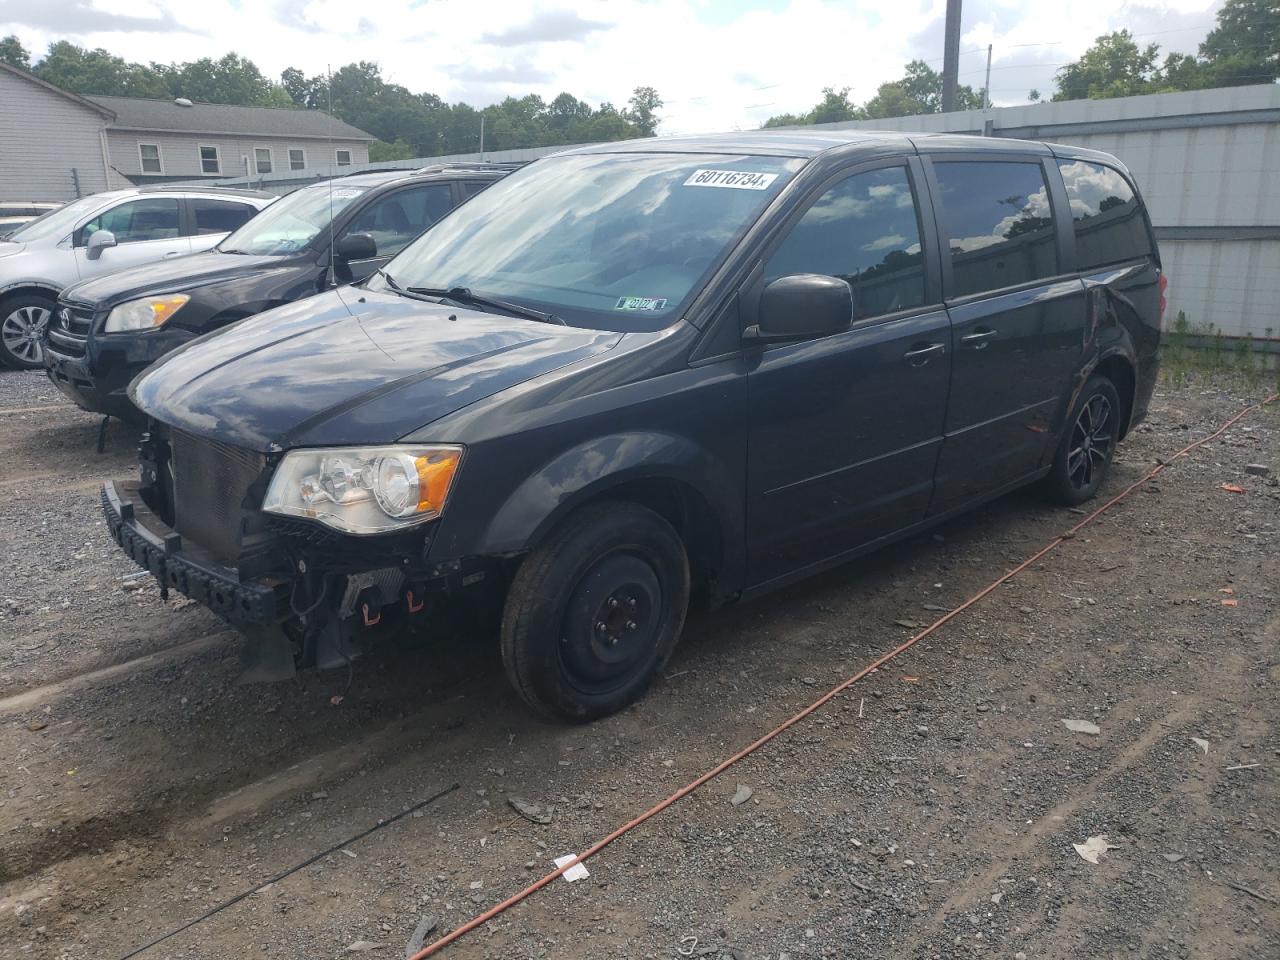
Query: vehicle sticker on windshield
(346, 193)
(737, 179)
(640, 303)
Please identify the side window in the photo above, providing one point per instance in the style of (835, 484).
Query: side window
(343, 157)
(471, 187)
(998, 224)
(262, 159)
(149, 158)
(297, 159)
(219, 216)
(155, 218)
(398, 217)
(210, 162)
(865, 231)
(1109, 221)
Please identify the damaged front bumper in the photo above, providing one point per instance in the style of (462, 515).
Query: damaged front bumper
(184, 567)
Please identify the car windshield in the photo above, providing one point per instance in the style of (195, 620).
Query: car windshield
(291, 222)
(56, 223)
(614, 241)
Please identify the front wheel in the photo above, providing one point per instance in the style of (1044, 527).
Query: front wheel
(23, 319)
(1089, 440)
(595, 611)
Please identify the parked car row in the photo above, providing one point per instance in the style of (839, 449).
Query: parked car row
(617, 379)
(97, 235)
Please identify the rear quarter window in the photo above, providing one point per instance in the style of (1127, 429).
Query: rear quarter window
(1109, 221)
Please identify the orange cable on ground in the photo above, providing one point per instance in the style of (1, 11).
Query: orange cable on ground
(486, 916)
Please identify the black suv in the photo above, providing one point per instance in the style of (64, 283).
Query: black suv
(107, 330)
(634, 370)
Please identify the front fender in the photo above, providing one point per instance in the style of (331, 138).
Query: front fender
(591, 469)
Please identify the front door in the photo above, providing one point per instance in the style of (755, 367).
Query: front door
(1017, 323)
(147, 230)
(844, 430)
(395, 220)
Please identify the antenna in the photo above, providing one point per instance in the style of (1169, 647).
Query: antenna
(328, 86)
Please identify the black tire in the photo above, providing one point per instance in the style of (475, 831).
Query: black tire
(23, 318)
(1088, 443)
(595, 611)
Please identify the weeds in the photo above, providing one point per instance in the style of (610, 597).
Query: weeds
(1188, 351)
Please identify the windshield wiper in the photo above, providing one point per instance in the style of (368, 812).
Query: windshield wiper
(413, 293)
(464, 296)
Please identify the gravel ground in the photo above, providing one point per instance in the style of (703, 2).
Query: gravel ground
(930, 811)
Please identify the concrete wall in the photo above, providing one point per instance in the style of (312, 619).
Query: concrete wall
(43, 137)
(180, 154)
(1208, 165)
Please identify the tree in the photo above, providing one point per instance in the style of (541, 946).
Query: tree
(98, 72)
(380, 152)
(14, 53)
(1244, 46)
(1114, 66)
(918, 91)
(645, 104)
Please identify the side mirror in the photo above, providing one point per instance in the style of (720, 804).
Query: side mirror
(801, 307)
(98, 241)
(356, 246)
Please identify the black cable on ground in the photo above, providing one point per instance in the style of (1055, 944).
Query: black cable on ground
(292, 870)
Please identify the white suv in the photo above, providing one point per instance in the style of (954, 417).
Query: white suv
(101, 234)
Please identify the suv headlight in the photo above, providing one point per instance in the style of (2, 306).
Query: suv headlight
(144, 314)
(364, 490)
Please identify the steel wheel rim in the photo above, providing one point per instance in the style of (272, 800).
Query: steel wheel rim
(1091, 441)
(22, 331)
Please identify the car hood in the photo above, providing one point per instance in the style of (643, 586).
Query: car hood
(350, 367)
(170, 276)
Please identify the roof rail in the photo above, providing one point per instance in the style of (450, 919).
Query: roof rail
(196, 188)
(470, 166)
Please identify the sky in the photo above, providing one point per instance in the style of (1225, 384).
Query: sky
(718, 64)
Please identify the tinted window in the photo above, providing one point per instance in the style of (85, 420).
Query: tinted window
(219, 216)
(1108, 219)
(399, 217)
(150, 219)
(471, 187)
(999, 226)
(863, 230)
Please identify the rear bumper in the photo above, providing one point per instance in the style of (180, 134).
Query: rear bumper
(155, 547)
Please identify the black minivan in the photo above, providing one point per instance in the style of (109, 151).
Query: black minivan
(638, 370)
(108, 330)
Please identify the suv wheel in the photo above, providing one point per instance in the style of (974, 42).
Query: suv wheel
(1088, 442)
(23, 319)
(595, 611)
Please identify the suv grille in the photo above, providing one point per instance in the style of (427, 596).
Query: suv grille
(69, 328)
(210, 483)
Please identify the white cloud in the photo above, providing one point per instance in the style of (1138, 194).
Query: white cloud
(718, 64)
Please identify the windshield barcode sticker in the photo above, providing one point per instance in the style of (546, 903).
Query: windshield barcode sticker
(736, 179)
(640, 303)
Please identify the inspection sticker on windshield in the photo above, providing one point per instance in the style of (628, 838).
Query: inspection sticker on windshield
(737, 179)
(640, 303)
(346, 193)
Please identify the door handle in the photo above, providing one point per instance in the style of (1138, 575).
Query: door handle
(172, 253)
(978, 339)
(919, 355)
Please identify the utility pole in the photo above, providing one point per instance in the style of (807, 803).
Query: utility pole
(986, 89)
(951, 56)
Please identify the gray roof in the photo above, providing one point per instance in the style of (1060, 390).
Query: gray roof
(211, 118)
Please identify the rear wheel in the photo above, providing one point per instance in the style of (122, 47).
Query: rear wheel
(1088, 443)
(23, 318)
(595, 611)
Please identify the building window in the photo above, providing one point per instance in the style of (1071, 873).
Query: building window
(344, 158)
(297, 159)
(209, 161)
(262, 159)
(149, 154)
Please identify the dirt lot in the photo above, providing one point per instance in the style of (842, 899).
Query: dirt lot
(928, 812)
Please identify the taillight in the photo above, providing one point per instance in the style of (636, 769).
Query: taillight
(1164, 285)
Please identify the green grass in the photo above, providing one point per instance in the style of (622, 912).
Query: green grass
(1189, 352)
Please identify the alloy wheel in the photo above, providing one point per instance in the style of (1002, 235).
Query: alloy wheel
(23, 331)
(1091, 440)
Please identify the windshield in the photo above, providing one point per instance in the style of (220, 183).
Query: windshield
(56, 223)
(291, 222)
(615, 241)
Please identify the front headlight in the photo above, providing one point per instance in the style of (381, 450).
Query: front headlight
(144, 314)
(364, 490)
